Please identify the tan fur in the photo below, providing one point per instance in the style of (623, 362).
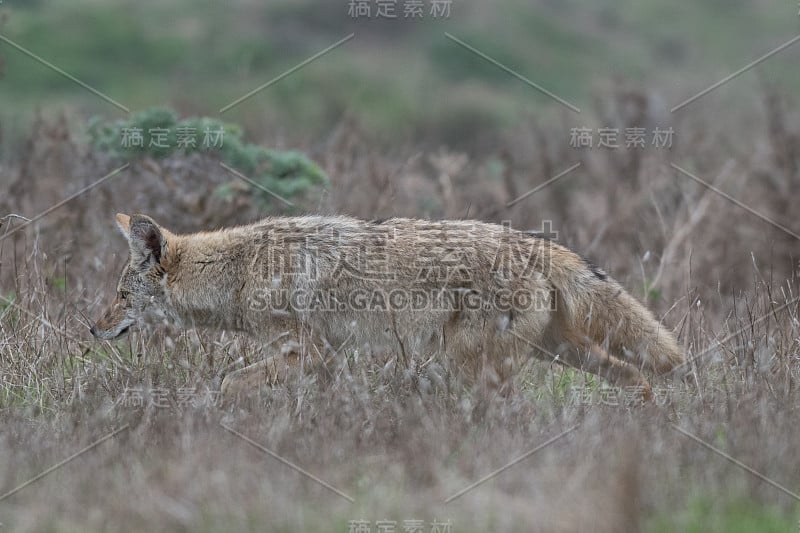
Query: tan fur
(234, 279)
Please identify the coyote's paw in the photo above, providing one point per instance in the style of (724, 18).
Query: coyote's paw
(241, 383)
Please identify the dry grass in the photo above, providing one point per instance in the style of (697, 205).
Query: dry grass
(401, 440)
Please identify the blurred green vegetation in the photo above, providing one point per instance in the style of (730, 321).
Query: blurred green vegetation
(704, 514)
(402, 79)
(285, 173)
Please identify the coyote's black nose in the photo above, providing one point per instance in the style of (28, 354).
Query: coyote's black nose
(93, 331)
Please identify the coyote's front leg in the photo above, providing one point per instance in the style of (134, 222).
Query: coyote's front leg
(251, 378)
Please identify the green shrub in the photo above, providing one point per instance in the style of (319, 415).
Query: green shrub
(158, 133)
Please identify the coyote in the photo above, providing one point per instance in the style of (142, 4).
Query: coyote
(482, 295)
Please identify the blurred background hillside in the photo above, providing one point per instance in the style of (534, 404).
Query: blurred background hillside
(402, 79)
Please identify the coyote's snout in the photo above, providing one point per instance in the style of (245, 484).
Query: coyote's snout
(481, 295)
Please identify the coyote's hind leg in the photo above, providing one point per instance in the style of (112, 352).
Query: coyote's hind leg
(596, 360)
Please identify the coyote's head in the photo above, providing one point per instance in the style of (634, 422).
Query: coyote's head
(141, 288)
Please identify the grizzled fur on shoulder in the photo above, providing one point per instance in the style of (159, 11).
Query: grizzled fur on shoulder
(476, 293)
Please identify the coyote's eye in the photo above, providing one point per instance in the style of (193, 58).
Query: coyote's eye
(123, 295)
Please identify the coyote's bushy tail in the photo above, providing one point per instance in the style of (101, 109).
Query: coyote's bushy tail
(598, 309)
(631, 329)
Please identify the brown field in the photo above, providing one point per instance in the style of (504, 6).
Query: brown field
(397, 438)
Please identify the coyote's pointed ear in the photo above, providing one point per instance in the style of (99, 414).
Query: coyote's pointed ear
(146, 240)
(124, 224)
